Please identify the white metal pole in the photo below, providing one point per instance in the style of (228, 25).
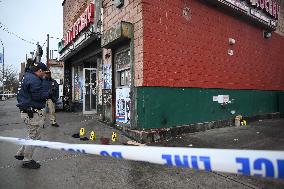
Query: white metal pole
(3, 77)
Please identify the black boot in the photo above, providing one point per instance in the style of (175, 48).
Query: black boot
(19, 157)
(31, 165)
(54, 125)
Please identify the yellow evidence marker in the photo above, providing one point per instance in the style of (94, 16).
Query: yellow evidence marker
(93, 135)
(244, 122)
(82, 132)
(114, 136)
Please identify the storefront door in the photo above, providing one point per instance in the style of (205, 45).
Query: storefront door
(123, 82)
(90, 91)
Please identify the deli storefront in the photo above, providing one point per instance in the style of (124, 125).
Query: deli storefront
(81, 52)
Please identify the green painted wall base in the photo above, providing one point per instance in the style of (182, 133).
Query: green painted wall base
(281, 102)
(161, 107)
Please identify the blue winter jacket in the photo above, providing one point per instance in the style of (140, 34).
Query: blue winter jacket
(50, 83)
(32, 93)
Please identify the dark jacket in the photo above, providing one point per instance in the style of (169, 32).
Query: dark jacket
(32, 94)
(51, 85)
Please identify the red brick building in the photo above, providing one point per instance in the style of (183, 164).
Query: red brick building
(195, 61)
(176, 62)
(81, 52)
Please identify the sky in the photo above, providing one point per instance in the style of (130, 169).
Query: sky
(32, 20)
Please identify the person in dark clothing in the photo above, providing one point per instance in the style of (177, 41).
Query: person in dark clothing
(50, 84)
(31, 102)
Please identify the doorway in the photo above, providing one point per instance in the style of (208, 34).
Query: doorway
(122, 85)
(90, 91)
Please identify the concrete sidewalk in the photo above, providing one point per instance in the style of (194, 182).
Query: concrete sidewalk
(258, 135)
(70, 170)
(70, 123)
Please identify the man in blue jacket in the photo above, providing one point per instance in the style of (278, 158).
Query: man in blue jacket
(31, 102)
(50, 84)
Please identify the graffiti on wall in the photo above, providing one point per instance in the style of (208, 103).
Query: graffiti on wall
(100, 81)
(107, 97)
(107, 76)
(78, 83)
(122, 105)
(57, 72)
(111, 35)
(121, 30)
(122, 60)
(67, 83)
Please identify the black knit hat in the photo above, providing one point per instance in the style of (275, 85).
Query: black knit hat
(37, 66)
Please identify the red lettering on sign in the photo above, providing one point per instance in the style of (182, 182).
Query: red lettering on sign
(84, 21)
(262, 4)
(269, 6)
(266, 5)
(274, 9)
(278, 10)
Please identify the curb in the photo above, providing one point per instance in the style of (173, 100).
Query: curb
(156, 135)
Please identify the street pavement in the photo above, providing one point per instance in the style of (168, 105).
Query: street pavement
(70, 170)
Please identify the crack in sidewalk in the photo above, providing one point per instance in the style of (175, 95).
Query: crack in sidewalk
(234, 180)
(11, 124)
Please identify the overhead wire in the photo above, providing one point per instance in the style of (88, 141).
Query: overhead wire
(44, 43)
(5, 28)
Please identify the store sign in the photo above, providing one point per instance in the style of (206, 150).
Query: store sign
(112, 34)
(120, 31)
(264, 11)
(84, 21)
(270, 7)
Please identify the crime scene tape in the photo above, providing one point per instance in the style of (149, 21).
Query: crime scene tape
(261, 163)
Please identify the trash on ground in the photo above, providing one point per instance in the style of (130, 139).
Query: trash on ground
(134, 143)
(76, 135)
(104, 140)
(84, 138)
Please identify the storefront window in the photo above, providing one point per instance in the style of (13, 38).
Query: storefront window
(124, 78)
(122, 62)
(78, 83)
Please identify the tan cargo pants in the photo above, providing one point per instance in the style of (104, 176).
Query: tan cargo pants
(51, 108)
(33, 132)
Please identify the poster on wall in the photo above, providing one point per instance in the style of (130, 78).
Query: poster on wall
(107, 76)
(78, 83)
(76, 86)
(122, 105)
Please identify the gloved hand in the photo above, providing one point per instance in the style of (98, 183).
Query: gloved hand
(30, 112)
(53, 89)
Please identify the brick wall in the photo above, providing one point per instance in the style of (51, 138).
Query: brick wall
(280, 27)
(130, 12)
(72, 9)
(194, 53)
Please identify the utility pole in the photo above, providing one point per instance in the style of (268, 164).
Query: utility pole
(3, 76)
(4, 79)
(47, 50)
(38, 52)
